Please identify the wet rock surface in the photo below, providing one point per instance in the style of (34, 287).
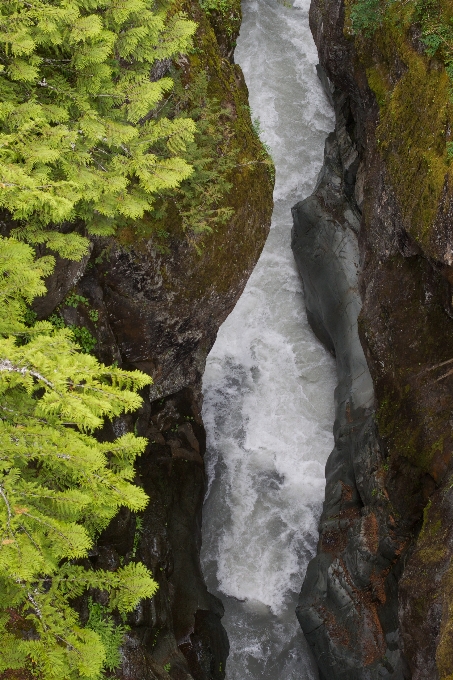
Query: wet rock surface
(180, 628)
(345, 586)
(377, 598)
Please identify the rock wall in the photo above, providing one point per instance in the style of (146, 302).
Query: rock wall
(336, 608)
(157, 308)
(373, 246)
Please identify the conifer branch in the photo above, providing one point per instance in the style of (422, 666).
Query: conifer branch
(7, 365)
(52, 510)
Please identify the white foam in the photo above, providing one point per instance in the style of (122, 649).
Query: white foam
(268, 385)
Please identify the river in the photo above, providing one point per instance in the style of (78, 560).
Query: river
(268, 386)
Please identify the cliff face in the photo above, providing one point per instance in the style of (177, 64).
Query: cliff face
(157, 306)
(377, 599)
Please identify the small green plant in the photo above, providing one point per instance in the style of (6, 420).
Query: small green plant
(155, 638)
(366, 16)
(256, 123)
(162, 233)
(167, 667)
(221, 6)
(101, 622)
(74, 300)
(56, 320)
(83, 338)
(80, 334)
(137, 535)
(199, 200)
(30, 318)
(265, 154)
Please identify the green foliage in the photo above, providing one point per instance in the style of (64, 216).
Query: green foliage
(437, 31)
(111, 635)
(57, 321)
(224, 16)
(80, 334)
(73, 300)
(30, 317)
(20, 282)
(256, 123)
(59, 486)
(436, 24)
(389, 23)
(222, 6)
(80, 136)
(83, 338)
(366, 15)
(199, 200)
(137, 535)
(265, 155)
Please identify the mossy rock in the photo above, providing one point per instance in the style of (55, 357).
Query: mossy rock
(413, 91)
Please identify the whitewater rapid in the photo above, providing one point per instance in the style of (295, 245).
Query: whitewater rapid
(268, 386)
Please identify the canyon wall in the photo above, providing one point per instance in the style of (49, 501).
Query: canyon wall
(155, 303)
(374, 248)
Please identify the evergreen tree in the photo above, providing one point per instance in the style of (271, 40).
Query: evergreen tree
(82, 144)
(59, 486)
(78, 121)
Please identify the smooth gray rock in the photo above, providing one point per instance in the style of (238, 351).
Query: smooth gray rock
(352, 637)
(324, 243)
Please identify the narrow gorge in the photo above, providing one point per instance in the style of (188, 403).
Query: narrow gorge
(373, 247)
(288, 287)
(268, 385)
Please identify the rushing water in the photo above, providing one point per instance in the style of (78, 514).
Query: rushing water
(268, 386)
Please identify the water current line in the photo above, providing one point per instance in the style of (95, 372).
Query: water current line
(268, 386)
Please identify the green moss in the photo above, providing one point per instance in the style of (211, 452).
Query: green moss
(396, 424)
(432, 550)
(413, 94)
(409, 334)
(225, 17)
(377, 81)
(430, 546)
(412, 140)
(406, 438)
(428, 582)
